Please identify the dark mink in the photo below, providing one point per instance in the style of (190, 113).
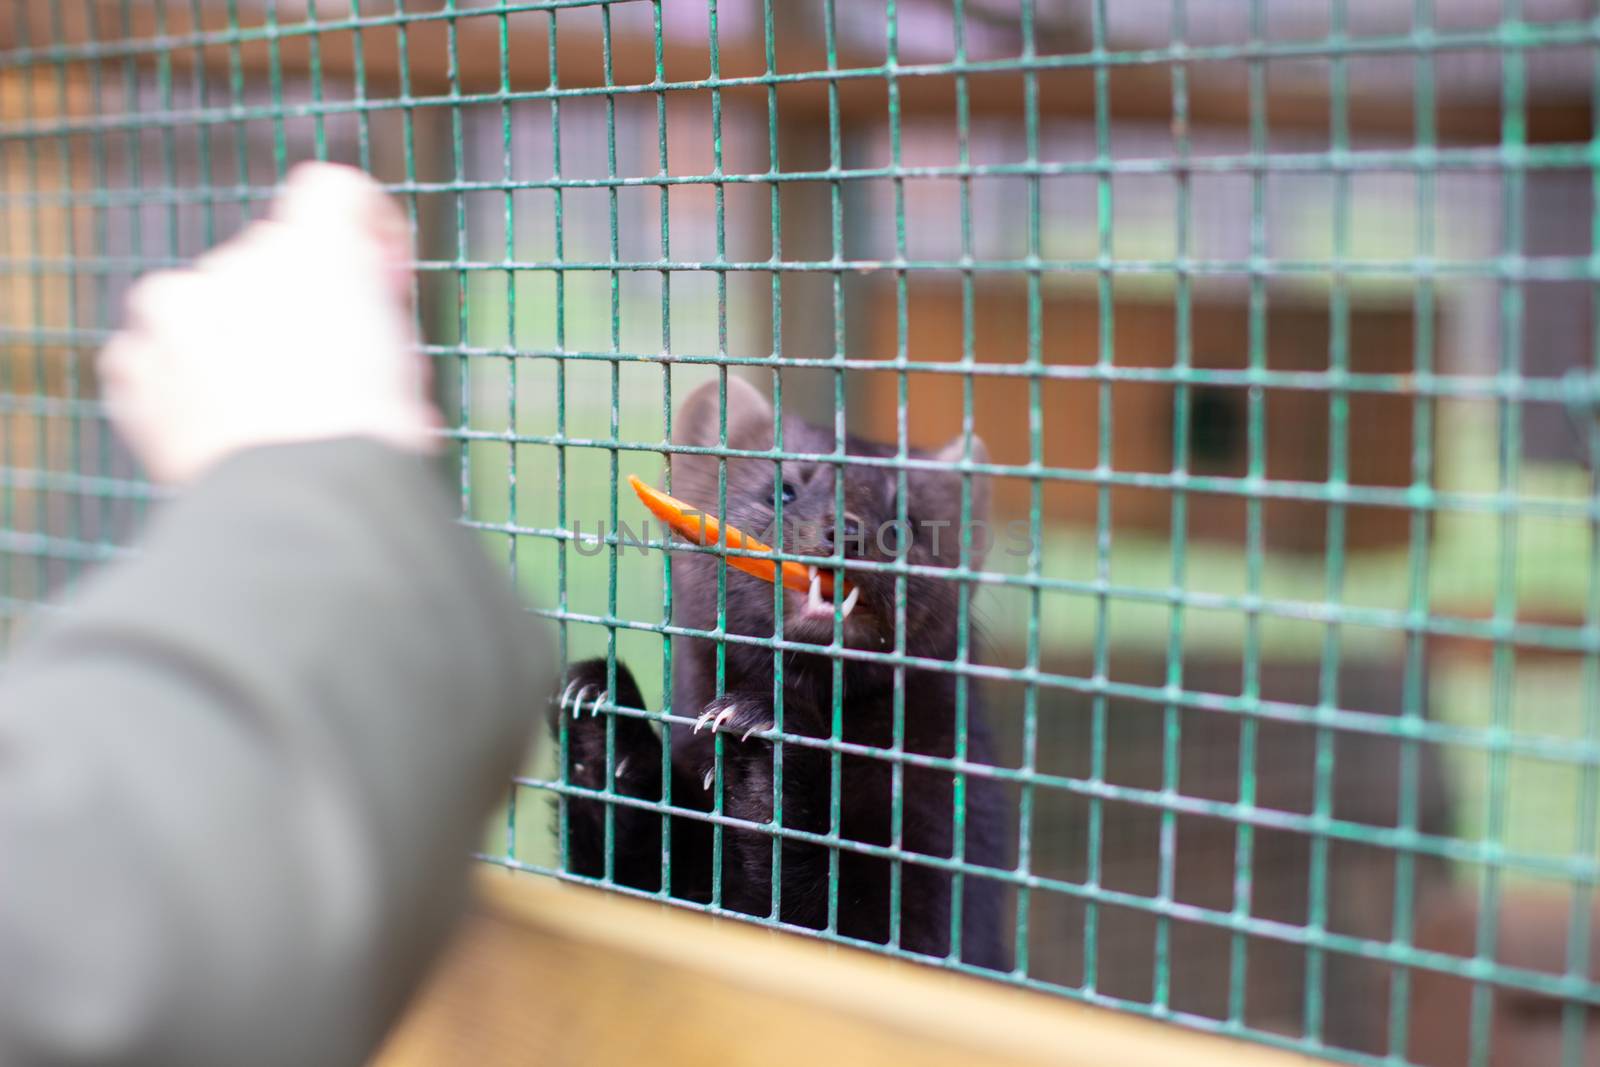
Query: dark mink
(744, 709)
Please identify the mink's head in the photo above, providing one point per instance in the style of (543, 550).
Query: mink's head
(867, 530)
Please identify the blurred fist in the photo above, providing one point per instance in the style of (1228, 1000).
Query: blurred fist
(297, 329)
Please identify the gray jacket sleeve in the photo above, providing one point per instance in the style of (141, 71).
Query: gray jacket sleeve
(240, 778)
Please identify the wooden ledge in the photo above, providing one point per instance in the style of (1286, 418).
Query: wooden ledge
(553, 974)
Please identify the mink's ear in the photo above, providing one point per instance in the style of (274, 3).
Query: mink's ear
(698, 423)
(698, 420)
(937, 493)
(952, 454)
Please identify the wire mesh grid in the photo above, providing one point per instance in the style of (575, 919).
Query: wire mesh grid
(1277, 321)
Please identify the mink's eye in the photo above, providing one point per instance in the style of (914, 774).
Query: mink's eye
(788, 493)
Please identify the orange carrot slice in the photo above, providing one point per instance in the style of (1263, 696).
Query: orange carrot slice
(695, 525)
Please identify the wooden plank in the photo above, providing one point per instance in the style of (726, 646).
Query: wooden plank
(551, 974)
(1217, 91)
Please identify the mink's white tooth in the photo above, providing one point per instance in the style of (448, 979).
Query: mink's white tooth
(814, 594)
(811, 571)
(850, 602)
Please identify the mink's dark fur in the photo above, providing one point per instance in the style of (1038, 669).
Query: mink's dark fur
(866, 781)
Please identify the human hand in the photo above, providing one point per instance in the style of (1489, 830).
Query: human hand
(297, 329)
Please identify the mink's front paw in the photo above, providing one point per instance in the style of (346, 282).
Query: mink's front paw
(611, 752)
(584, 701)
(733, 713)
(587, 690)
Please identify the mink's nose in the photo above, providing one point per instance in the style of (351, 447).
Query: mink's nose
(850, 527)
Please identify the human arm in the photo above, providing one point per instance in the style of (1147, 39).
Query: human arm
(239, 778)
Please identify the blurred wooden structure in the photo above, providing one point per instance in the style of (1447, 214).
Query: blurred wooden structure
(40, 361)
(555, 975)
(35, 230)
(1296, 420)
(1141, 91)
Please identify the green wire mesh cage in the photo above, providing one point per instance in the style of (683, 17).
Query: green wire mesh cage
(1277, 322)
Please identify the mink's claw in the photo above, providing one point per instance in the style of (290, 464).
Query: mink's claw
(715, 717)
(577, 701)
(580, 696)
(719, 714)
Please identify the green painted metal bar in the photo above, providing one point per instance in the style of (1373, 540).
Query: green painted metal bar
(613, 556)
(1182, 358)
(558, 252)
(1419, 557)
(1496, 796)
(836, 157)
(663, 164)
(1104, 459)
(769, 48)
(1256, 458)
(1586, 841)
(509, 214)
(902, 315)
